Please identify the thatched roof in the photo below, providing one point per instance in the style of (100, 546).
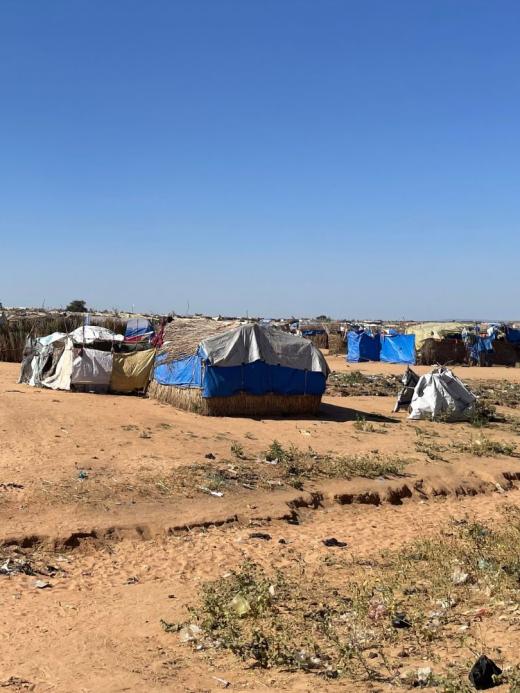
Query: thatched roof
(183, 335)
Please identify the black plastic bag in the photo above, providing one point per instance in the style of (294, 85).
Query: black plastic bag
(482, 672)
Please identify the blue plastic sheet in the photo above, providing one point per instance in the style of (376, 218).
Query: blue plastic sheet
(257, 378)
(185, 372)
(260, 378)
(398, 348)
(137, 329)
(312, 333)
(513, 335)
(362, 346)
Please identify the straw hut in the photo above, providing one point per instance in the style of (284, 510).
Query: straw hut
(316, 333)
(248, 370)
(443, 351)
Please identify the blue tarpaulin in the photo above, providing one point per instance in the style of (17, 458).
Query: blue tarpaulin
(257, 378)
(398, 348)
(185, 372)
(480, 346)
(362, 346)
(512, 335)
(138, 329)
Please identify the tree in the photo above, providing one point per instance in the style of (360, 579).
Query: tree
(77, 306)
(323, 318)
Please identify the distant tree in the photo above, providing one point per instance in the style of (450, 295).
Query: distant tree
(77, 306)
(323, 318)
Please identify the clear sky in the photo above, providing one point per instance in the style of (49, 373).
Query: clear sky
(355, 158)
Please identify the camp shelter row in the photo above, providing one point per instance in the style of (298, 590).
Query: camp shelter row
(89, 358)
(363, 345)
(203, 366)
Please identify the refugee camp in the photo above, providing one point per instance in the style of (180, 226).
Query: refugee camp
(259, 346)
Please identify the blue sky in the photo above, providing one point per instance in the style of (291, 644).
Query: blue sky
(296, 157)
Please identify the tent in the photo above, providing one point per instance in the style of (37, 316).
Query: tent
(131, 372)
(247, 370)
(437, 330)
(138, 330)
(363, 346)
(91, 369)
(84, 360)
(88, 334)
(440, 394)
(398, 348)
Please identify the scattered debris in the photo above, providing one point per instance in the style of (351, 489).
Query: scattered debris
(210, 456)
(133, 580)
(260, 535)
(357, 384)
(459, 577)
(21, 565)
(424, 676)
(400, 620)
(190, 633)
(483, 672)
(223, 682)
(18, 683)
(82, 474)
(218, 494)
(42, 584)
(240, 605)
(11, 485)
(333, 542)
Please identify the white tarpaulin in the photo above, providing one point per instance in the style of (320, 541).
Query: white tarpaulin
(91, 367)
(91, 333)
(51, 338)
(441, 394)
(60, 380)
(249, 343)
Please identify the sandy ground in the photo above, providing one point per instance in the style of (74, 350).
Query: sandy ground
(133, 545)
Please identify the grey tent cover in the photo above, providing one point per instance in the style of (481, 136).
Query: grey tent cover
(253, 342)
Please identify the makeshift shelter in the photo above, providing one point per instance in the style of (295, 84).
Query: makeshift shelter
(436, 330)
(505, 353)
(398, 348)
(442, 351)
(440, 394)
(315, 333)
(337, 344)
(91, 370)
(131, 372)
(512, 335)
(84, 360)
(250, 370)
(363, 346)
(138, 330)
(405, 396)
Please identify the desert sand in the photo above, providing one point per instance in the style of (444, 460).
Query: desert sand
(111, 493)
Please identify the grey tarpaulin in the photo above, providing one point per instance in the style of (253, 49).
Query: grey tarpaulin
(249, 343)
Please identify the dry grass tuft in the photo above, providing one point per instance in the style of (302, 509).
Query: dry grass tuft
(315, 620)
